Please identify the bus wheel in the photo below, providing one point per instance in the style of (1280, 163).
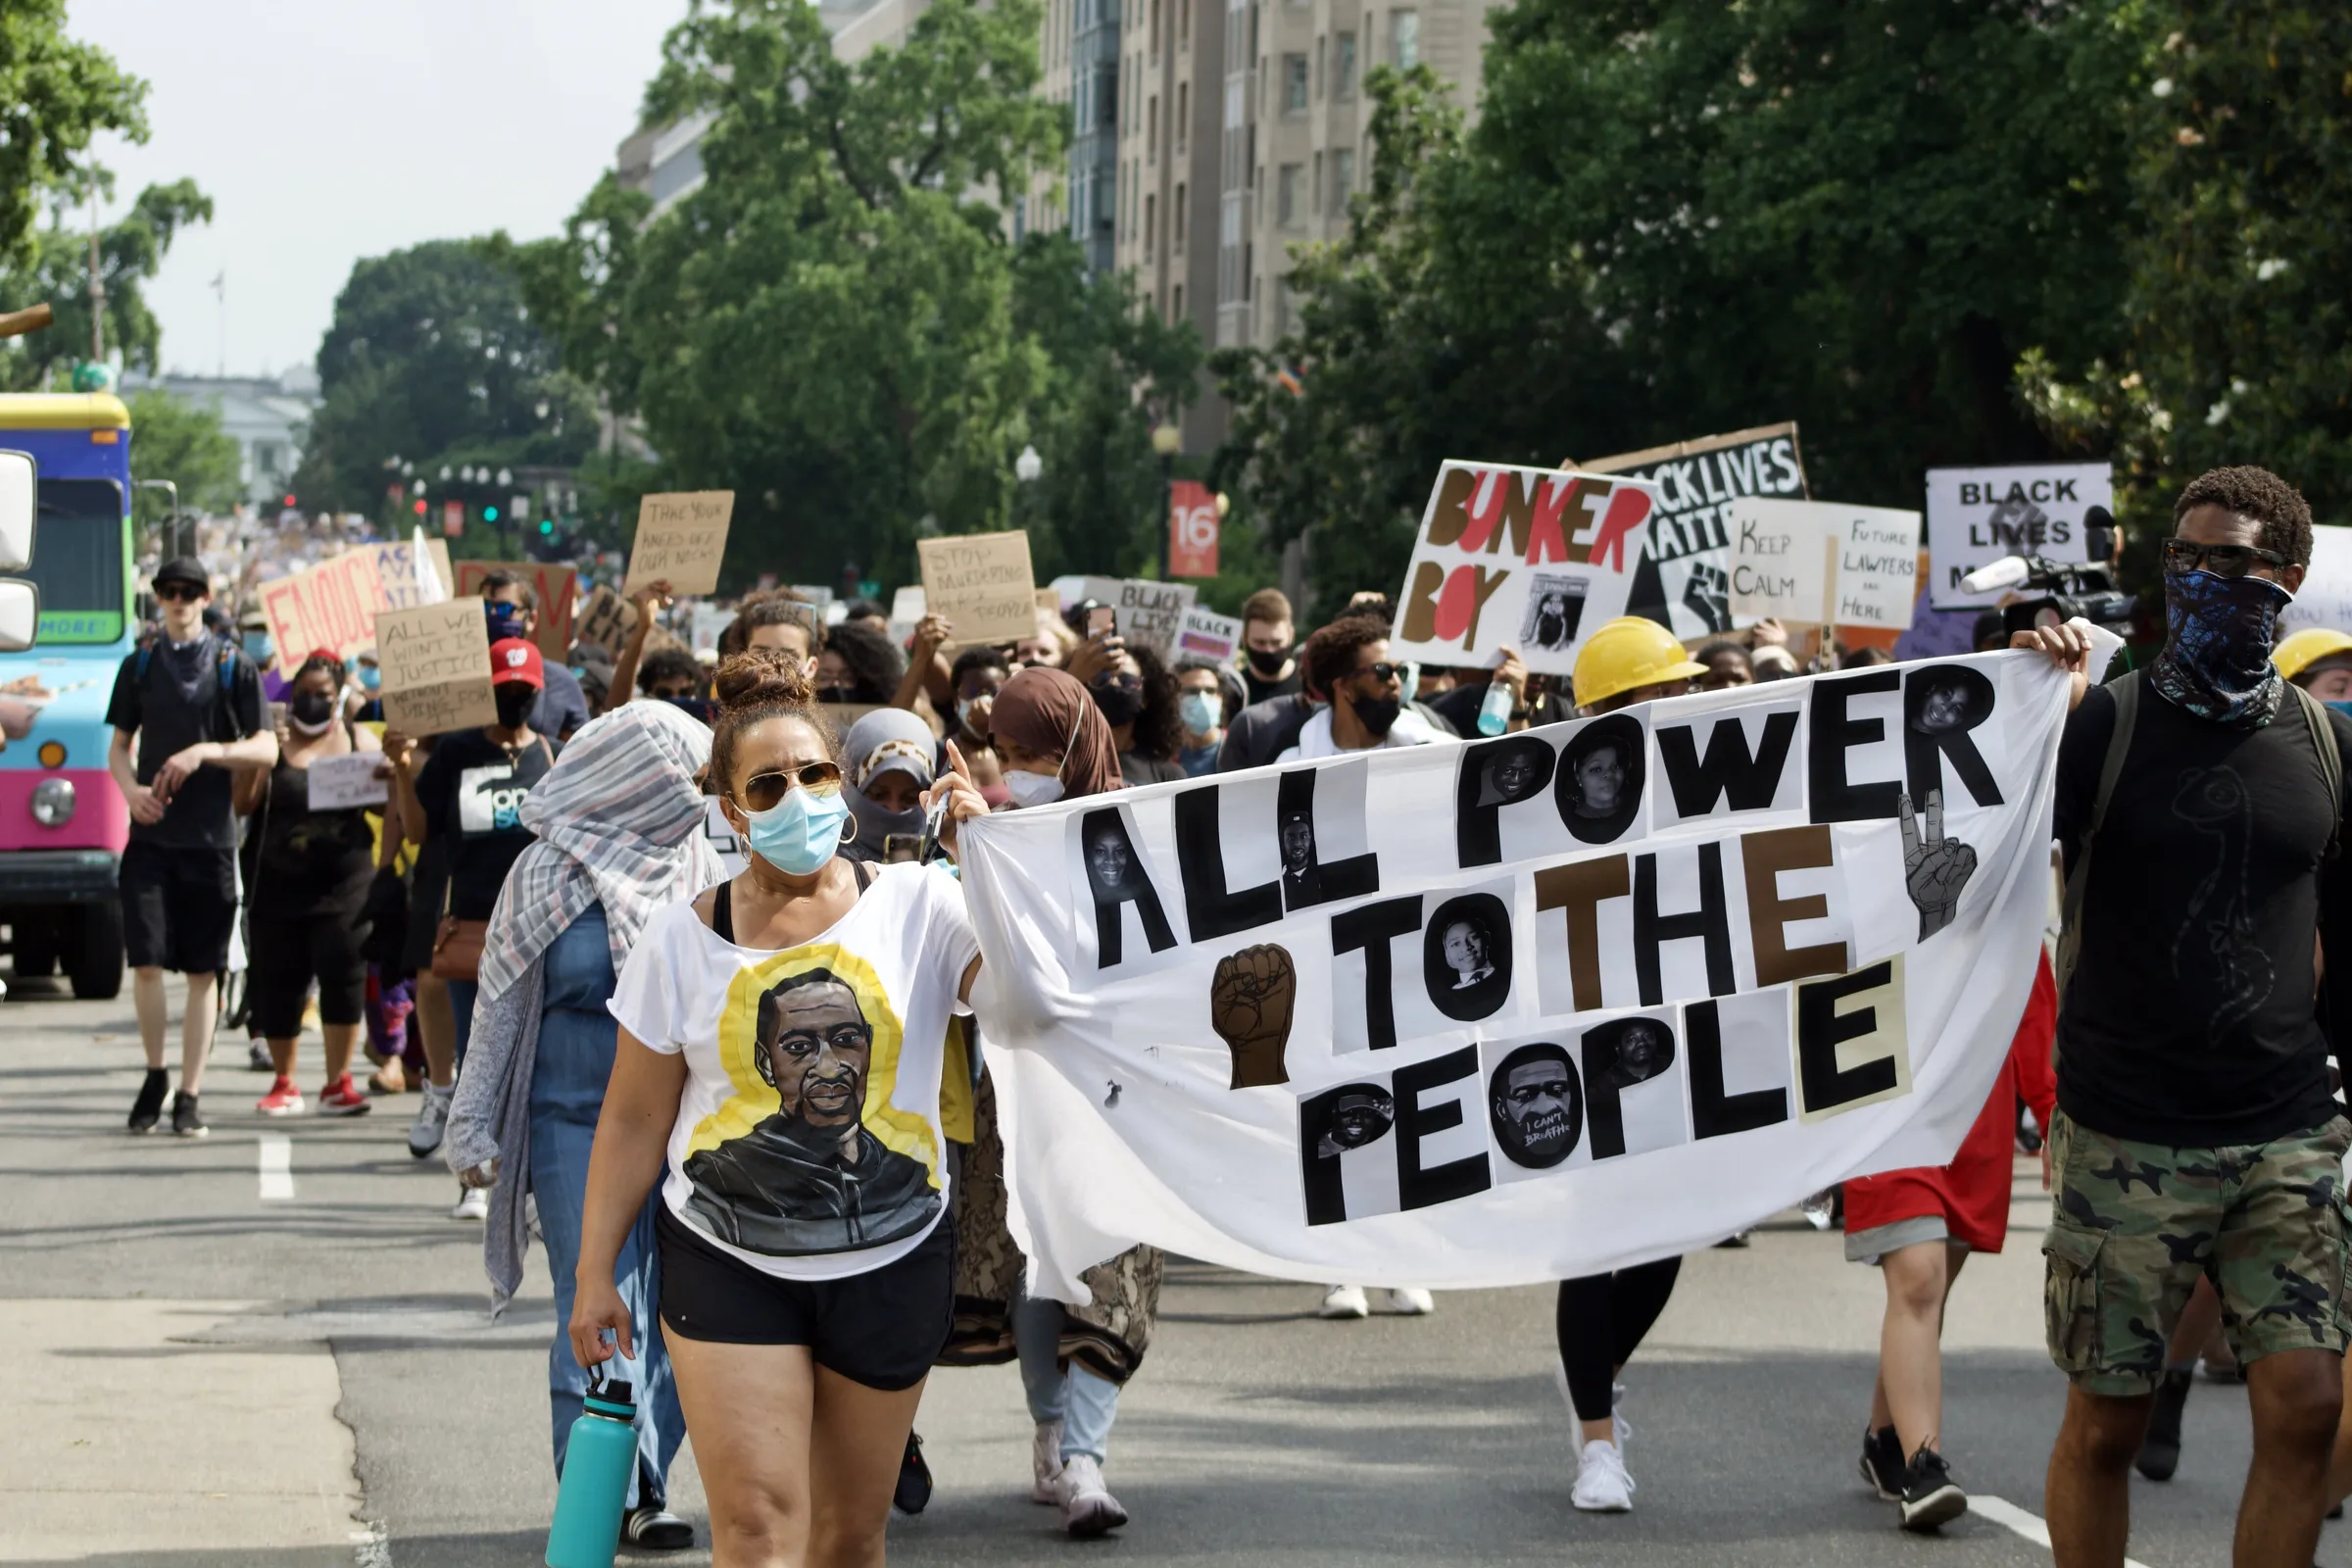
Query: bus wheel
(33, 944)
(97, 957)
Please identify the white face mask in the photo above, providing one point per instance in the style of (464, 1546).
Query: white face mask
(1032, 789)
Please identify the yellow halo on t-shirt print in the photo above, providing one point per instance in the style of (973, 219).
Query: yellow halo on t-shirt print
(754, 1100)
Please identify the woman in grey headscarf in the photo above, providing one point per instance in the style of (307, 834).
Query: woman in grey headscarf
(887, 760)
(619, 821)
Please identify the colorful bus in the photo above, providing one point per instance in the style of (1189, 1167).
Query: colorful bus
(62, 822)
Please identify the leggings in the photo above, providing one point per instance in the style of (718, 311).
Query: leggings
(1600, 1320)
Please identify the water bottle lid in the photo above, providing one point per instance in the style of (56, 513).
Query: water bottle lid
(611, 1390)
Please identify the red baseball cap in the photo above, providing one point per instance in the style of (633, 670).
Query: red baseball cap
(517, 659)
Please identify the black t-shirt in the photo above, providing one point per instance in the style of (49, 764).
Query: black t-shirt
(472, 790)
(180, 702)
(1137, 770)
(2191, 1017)
(1259, 691)
(1459, 706)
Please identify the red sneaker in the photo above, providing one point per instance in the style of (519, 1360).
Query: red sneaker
(342, 1098)
(282, 1100)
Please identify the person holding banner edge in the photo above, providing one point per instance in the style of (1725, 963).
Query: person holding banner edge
(2195, 1132)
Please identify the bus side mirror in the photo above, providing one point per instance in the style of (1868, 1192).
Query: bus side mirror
(18, 507)
(19, 614)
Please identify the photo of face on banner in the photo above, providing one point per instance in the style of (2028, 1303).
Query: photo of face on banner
(1125, 921)
(1600, 778)
(1534, 1107)
(1347, 1136)
(1412, 968)
(1637, 1091)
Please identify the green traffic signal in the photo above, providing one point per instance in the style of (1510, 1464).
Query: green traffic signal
(489, 513)
(547, 525)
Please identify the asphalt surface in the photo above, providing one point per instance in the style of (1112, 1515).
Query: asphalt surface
(1256, 1432)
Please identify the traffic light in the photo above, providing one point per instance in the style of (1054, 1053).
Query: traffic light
(418, 508)
(489, 513)
(547, 525)
(289, 501)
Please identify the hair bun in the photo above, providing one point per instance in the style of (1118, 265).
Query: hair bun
(760, 677)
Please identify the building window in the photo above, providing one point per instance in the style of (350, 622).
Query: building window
(1152, 131)
(1317, 190)
(1177, 219)
(1154, 33)
(1405, 39)
(1293, 83)
(1342, 68)
(1183, 117)
(1149, 204)
(1249, 260)
(1176, 304)
(1320, 79)
(1288, 180)
(1184, 24)
(1343, 179)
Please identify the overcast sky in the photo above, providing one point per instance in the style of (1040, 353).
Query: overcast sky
(325, 132)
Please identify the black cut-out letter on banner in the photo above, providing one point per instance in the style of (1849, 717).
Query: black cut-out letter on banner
(1212, 909)
(1713, 1112)
(1418, 1186)
(1319, 881)
(1833, 732)
(1373, 927)
(1710, 922)
(1102, 837)
(1942, 704)
(1821, 1030)
(1727, 772)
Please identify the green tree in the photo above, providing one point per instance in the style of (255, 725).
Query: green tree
(1675, 216)
(432, 358)
(835, 324)
(131, 252)
(183, 442)
(56, 95)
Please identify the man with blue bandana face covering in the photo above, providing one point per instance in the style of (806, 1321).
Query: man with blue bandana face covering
(2196, 1135)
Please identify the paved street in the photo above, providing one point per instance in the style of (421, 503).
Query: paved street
(203, 1378)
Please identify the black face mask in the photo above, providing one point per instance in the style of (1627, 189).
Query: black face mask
(1269, 665)
(1120, 697)
(1377, 713)
(311, 707)
(515, 701)
(837, 694)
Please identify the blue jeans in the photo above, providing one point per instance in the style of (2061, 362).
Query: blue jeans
(577, 1038)
(462, 993)
(1085, 1402)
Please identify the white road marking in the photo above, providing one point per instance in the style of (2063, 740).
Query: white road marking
(2001, 1512)
(276, 1167)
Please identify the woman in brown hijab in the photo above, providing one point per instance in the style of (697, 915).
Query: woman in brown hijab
(1053, 738)
(1057, 747)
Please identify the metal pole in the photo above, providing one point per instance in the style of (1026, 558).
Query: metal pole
(164, 536)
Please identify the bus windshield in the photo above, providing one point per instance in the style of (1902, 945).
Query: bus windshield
(77, 561)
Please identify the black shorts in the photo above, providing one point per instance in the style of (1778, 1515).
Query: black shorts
(429, 896)
(178, 907)
(883, 1329)
(287, 955)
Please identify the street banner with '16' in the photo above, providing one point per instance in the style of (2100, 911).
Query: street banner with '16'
(1525, 1009)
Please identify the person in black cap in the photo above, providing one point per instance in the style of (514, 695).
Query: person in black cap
(192, 704)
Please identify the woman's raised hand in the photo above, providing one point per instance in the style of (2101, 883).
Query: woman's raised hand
(963, 797)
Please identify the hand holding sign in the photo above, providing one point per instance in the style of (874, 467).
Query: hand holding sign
(1249, 1001)
(1934, 868)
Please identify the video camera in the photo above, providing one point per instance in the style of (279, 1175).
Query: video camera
(2072, 588)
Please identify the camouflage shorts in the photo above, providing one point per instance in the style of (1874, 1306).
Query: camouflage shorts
(2134, 1224)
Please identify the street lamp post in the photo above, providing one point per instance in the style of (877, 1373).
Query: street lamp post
(1167, 440)
(1028, 467)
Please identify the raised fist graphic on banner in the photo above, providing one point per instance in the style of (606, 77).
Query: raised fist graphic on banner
(1934, 868)
(1249, 1000)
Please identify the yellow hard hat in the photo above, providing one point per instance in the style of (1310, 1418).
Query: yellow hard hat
(1627, 654)
(2306, 648)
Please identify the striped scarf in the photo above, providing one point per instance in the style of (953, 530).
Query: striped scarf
(619, 821)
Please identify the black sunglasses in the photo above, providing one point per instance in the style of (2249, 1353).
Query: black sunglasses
(1384, 671)
(2222, 561)
(766, 791)
(180, 593)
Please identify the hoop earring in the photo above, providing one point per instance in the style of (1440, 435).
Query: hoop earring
(849, 829)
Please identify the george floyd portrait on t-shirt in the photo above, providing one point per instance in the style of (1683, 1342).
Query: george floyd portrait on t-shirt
(811, 1177)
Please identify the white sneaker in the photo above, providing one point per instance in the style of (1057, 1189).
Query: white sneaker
(1087, 1506)
(1346, 1301)
(432, 1120)
(473, 1203)
(1045, 1462)
(1411, 1302)
(1601, 1484)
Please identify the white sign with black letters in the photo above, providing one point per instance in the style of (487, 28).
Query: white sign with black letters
(1978, 516)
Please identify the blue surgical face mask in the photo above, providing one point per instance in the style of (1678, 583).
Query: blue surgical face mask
(1202, 711)
(1410, 684)
(256, 646)
(2344, 709)
(370, 678)
(800, 833)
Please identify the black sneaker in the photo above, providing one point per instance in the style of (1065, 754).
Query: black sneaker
(1931, 1498)
(654, 1528)
(148, 1109)
(913, 1493)
(1883, 1463)
(185, 1120)
(2160, 1450)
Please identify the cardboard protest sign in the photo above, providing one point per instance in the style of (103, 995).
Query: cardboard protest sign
(1191, 530)
(1527, 1009)
(1682, 579)
(1149, 613)
(329, 606)
(553, 588)
(981, 582)
(436, 667)
(606, 620)
(338, 783)
(1976, 516)
(2325, 598)
(1821, 561)
(681, 538)
(409, 576)
(1533, 558)
(1208, 635)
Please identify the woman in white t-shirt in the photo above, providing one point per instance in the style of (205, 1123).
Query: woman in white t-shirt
(778, 1070)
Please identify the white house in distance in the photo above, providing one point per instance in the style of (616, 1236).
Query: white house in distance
(267, 417)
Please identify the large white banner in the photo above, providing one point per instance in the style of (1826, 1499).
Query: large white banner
(1524, 1009)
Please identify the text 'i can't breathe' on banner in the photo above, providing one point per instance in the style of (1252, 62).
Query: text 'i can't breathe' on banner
(1525, 1009)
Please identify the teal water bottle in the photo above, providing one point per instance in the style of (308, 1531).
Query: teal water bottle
(596, 1479)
